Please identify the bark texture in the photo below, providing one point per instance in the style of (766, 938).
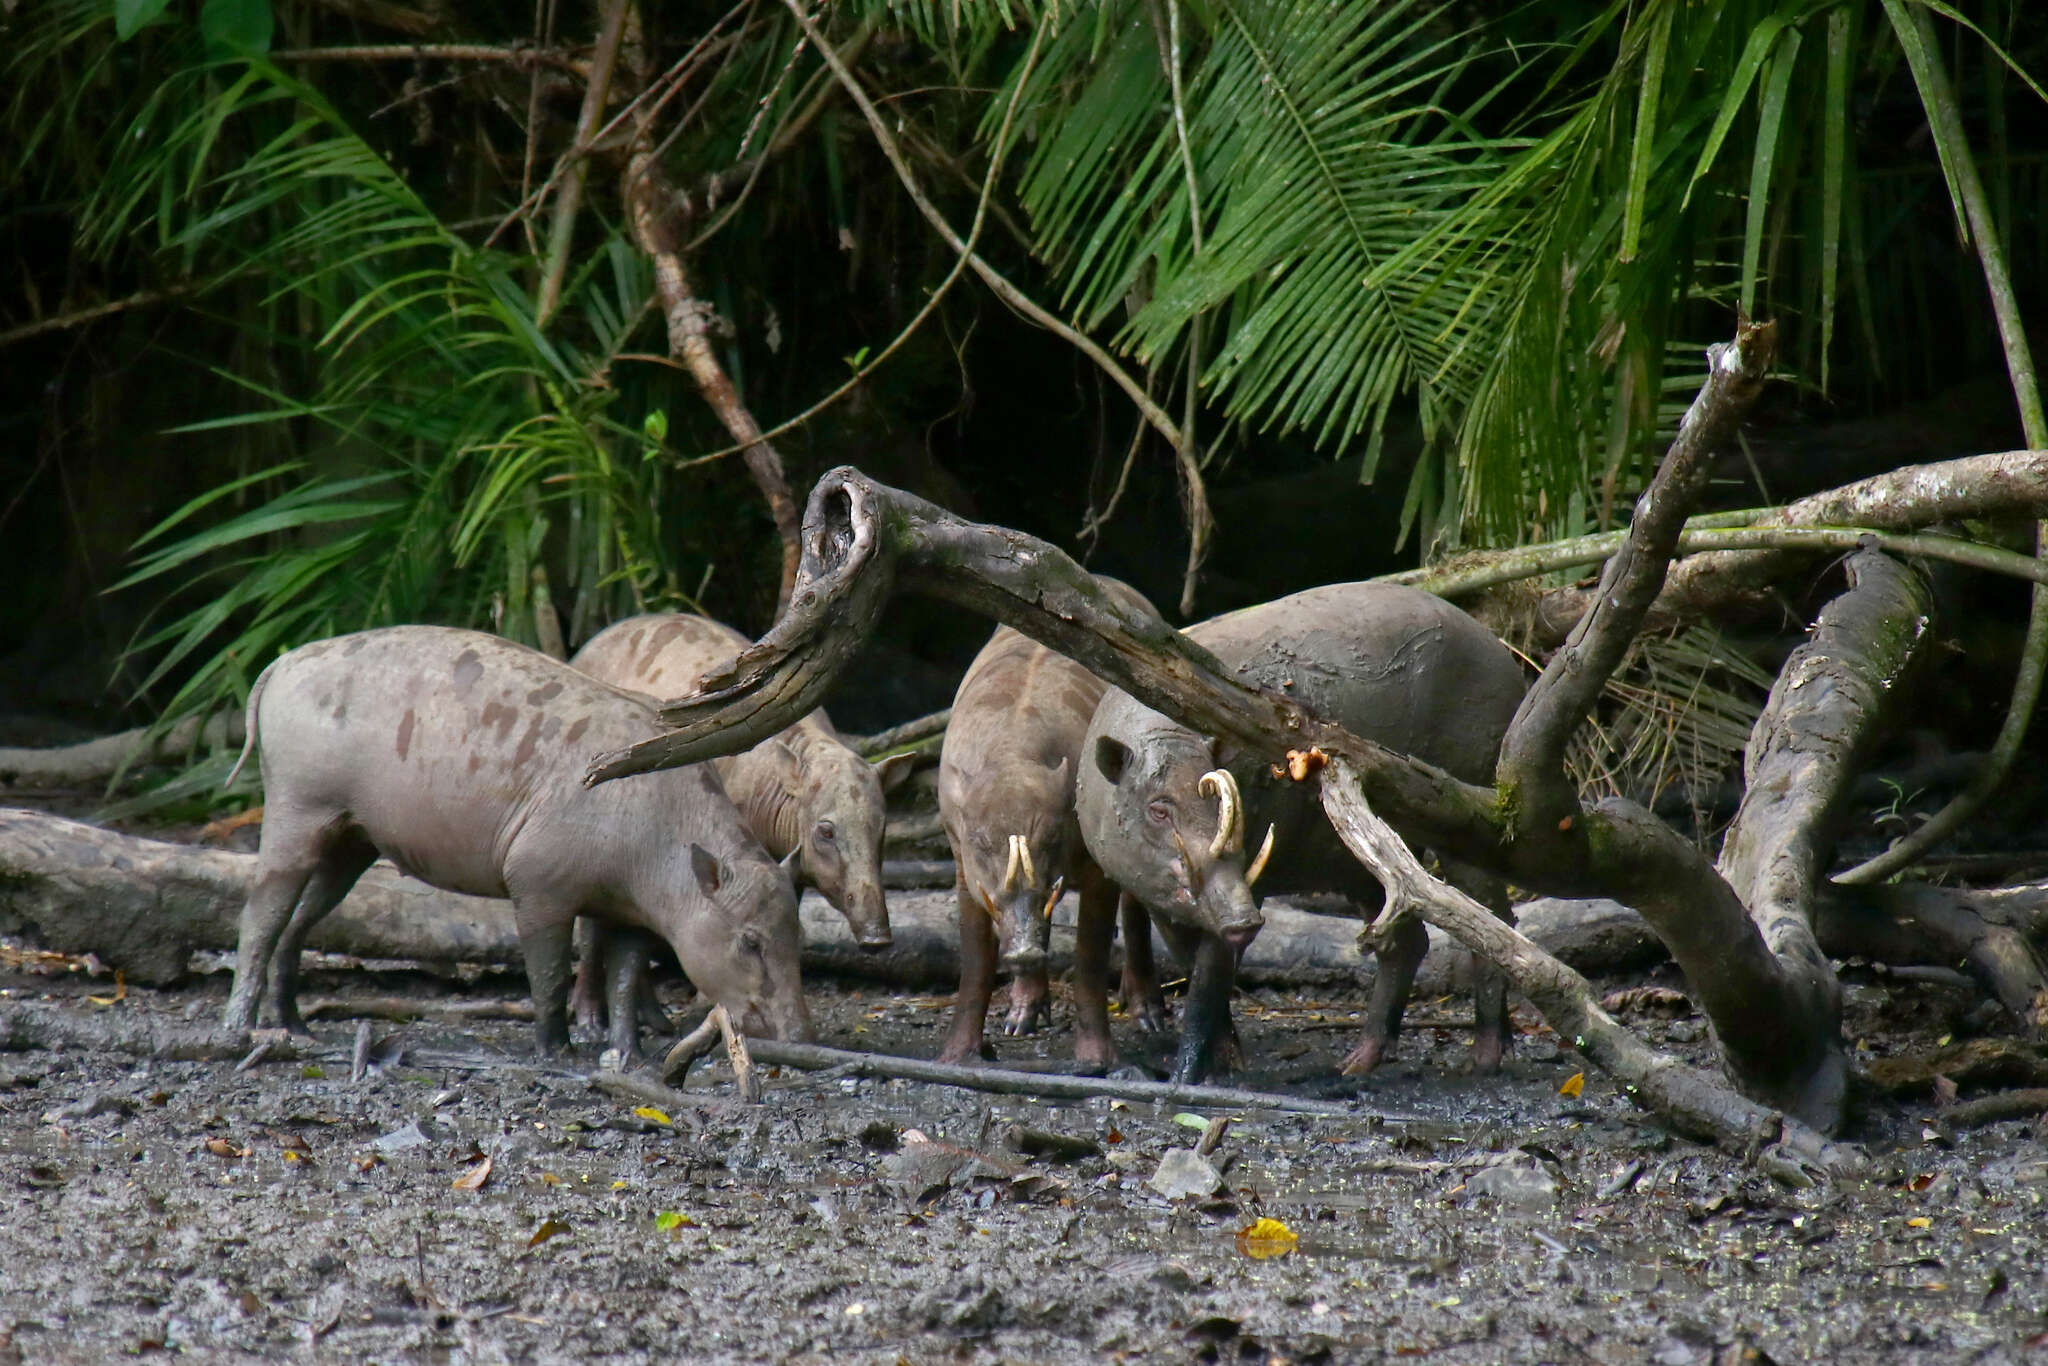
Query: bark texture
(93, 762)
(2002, 485)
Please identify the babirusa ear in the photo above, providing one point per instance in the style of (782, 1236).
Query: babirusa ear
(1112, 756)
(895, 770)
(704, 864)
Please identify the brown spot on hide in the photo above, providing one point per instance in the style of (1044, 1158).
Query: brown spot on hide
(500, 717)
(1079, 701)
(1001, 696)
(405, 725)
(542, 694)
(468, 669)
(528, 742)
(576, 730)
(475, 762)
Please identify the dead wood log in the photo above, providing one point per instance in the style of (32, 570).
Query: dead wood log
(1825, 712)
(24, 1027)
(1004, 1081)
(896, 737)
(1688, 1098)
(2007, 485)
(93, 762)
(144, 906)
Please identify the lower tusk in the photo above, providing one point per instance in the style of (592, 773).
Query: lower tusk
(1052, 899)
(988, 903)
(1259, 863)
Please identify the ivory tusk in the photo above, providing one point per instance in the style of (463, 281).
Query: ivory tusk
(1219, 783)
(1052, 898)
(1010, 872)
(1259, 863)
(1024, 852)
(988, 903)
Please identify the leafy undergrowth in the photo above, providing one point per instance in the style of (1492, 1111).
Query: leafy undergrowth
(460, 1203)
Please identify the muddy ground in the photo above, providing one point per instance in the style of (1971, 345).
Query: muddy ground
(288, 1212)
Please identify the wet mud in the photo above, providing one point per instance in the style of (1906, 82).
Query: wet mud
(462, 1203)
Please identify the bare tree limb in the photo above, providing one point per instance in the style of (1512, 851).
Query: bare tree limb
(1531, 771)
(1052, 1085)
(1691, 1100)
(147, 298)
(689, 339)
(1824, 714)
(520, 55)
(92, 762)
(569, 199)
(1970, 488)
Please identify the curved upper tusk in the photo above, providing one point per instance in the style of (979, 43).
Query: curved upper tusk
(1024, 852)
(1010, 872)
(1259, 863)
(1219, 783)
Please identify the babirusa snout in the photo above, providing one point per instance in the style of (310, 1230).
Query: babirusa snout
(1219, 783)
(1251, 875)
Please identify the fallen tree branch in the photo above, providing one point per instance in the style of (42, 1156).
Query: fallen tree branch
(404, 1008)
(2005, 484)
(93, 762)
(1464, 577)
(1975, 1114)
(1825, 713)
(1003, 1081)
(24, 1027)
(1690, 1100)
(896, 737)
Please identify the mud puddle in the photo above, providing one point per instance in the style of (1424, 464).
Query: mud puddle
(461, 1204)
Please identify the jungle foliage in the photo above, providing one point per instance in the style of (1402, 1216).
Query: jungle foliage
(1303, 221)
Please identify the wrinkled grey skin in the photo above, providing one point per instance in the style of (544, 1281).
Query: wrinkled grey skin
(1391, 663)
(1007, 772)
(802, 791)
(805, 794)
(460, 757)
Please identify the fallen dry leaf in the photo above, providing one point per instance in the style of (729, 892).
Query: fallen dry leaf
(1573, 1085)
(474, 1178)
(548, 1229)
(220, 1147)
(1263, 1238)
(648, 1112)
(120, 991)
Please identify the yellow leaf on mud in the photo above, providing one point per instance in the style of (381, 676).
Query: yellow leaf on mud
(1264, 1238)
(550, 1179)
(668, 1221)
(548, 1229)
(618, 1185)
(1921, 1221)
(474, 1178)
(1573, 1085)
(648, 1112)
